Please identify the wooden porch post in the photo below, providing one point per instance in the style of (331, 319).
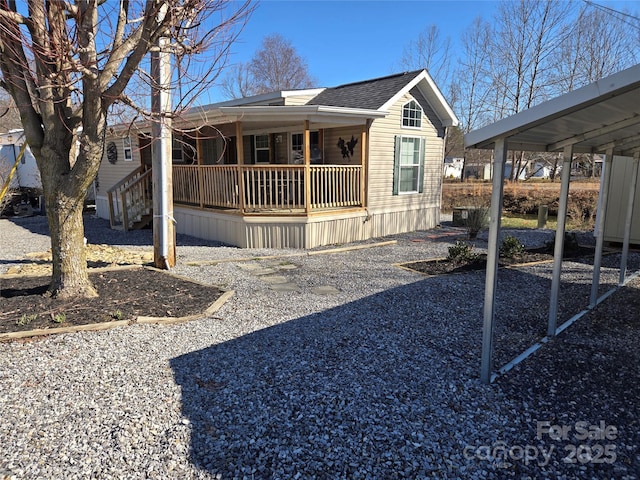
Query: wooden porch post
(363, 163)
(200, 177)
(240, 162)
(307, 167)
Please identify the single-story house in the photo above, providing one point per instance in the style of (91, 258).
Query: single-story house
(295, 169)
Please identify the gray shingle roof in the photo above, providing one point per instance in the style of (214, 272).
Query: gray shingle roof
(370, 94)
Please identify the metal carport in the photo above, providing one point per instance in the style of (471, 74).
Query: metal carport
(602, 117)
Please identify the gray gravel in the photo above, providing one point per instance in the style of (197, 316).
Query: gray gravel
(363, 370)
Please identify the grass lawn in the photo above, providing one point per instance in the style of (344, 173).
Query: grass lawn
(531, 221)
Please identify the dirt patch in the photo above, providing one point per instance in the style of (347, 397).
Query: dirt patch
(445, 266)
(124, 294)
(39, 263)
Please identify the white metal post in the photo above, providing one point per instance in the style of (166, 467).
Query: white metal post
(629, 218)
(491, 280)
(559, 244)
(602, 210)
(163, 227)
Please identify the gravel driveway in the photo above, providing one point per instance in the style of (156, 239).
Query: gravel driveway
(357, 369)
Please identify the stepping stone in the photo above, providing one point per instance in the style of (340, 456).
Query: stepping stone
(325, 290)
(288, 266)
(249, 267)
(285, 287)
(264, 271)
(273, 279)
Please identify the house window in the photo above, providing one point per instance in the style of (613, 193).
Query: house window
(409, 165)
(412, 115)
(261, 144)
(126, 144)
(176, 150)
(297, 147)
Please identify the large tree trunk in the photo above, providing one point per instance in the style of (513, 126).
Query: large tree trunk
(70, 276)
(64, 196)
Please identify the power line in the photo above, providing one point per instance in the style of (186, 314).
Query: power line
(625, 17)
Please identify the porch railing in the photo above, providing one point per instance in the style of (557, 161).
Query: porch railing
(335, 186)
(267, 188)
(130, 199)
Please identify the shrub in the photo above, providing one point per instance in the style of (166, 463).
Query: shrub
(511, 246)
(461, 252)
(26, 319)
(570, 242)
(477, 219)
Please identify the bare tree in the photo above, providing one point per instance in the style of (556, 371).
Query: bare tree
(275, 66)
(595, 48)
(527, 32)
(9, 117)
(471, 85)
(430, 51)
(66, 64)
(238, 83)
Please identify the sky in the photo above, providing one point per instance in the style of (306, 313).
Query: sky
(348, 41)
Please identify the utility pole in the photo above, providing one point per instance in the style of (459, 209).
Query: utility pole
(164, 244)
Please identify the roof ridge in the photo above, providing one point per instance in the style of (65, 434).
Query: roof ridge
(370, 80)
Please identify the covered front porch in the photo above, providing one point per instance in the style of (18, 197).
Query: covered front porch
(269, 189)
(267, 161)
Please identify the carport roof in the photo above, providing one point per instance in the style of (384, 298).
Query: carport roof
(598, 117)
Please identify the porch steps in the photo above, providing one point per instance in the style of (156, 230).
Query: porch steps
(144, 221)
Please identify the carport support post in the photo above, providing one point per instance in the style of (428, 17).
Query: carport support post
(559, 245)
(629, 218)
(491, 281)
(604, 199)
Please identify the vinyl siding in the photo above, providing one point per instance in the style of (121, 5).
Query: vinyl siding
(381, 159)
(298, 232)
(110, 174)
(333, 154)
(299, 99)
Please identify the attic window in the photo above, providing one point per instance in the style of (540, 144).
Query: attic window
(412, 115)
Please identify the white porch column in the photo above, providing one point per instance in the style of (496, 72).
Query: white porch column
(559, 245)
(164, 247)
(629, 218)
(491, 279)
(604, 198)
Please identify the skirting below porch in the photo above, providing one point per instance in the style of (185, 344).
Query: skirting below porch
(300, 231)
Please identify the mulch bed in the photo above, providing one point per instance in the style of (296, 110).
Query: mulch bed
(445, 266)
(124, 294)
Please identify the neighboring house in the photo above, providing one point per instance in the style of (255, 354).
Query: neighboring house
(293, 169)
(522, 171)
(540, 170)
(27, 175)
(477, 171)
(452, 167)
